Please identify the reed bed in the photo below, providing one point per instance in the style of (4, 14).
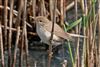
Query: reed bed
(75, 16)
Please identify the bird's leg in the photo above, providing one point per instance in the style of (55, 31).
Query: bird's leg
(41, 41)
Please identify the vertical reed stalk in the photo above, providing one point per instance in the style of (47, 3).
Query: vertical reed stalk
(93, 30)
(34, 5)
(51, 7)
(62, 16)
(77, 57)
(1, 41)
(5, 22)
(1, 47)
(25, 32)
(22, 47)
(62, 12)
(99, 31)
(83, 63)
(10, 34)
(18, 31)
(54, 21)
(42, 11)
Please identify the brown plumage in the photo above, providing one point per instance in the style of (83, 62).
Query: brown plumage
(58, 31)
(44, 28)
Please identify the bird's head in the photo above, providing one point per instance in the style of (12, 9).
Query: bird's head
(41, 20)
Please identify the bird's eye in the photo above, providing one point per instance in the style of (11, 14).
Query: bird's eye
(40, 21)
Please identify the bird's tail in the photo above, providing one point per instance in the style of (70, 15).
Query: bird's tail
(76, 35)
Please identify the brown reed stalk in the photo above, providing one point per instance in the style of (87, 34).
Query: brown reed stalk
(62, 8)
(69, 6)
(22, 48)
(53, 19)
(15, 30)
(16, 45)
(91, 46)
(15, 13)
(42, 8)
(22, 40)
(34, 7)
(82, 5)
(77, 57)
(99, 32)
(26, 45)
(8, 8)
(83, 61)
(22, 37)
(10, 34)
(25, 32)
(1, 47)
(62, 15)
(51, 7)
(93, 49)
(87, 45)
(77, 39)
(18, 31)
(95, 53)
(1, 41)
(5, 22)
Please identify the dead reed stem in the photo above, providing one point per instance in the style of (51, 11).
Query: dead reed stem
(53, 19)
(25, 32)
(8, 8)
(42, 9)
(21, 49)
(18, 32)
(15, 30)
(34, 6)
(56, 11)
(51, 7)
(77, 57)
(16, 45)
(62, 12)
(10, 34)
(1, 47)
(83, 62)
(5, 22)
(99, 31)
(62, 17)
(51, 3)
(15, 13)
(1, 42)
(69, 6)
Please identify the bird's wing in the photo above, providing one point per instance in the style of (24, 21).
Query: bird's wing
(58, 31)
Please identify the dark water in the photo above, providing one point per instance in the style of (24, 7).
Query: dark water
(39, 58)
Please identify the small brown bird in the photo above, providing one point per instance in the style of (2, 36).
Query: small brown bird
(44, 28)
